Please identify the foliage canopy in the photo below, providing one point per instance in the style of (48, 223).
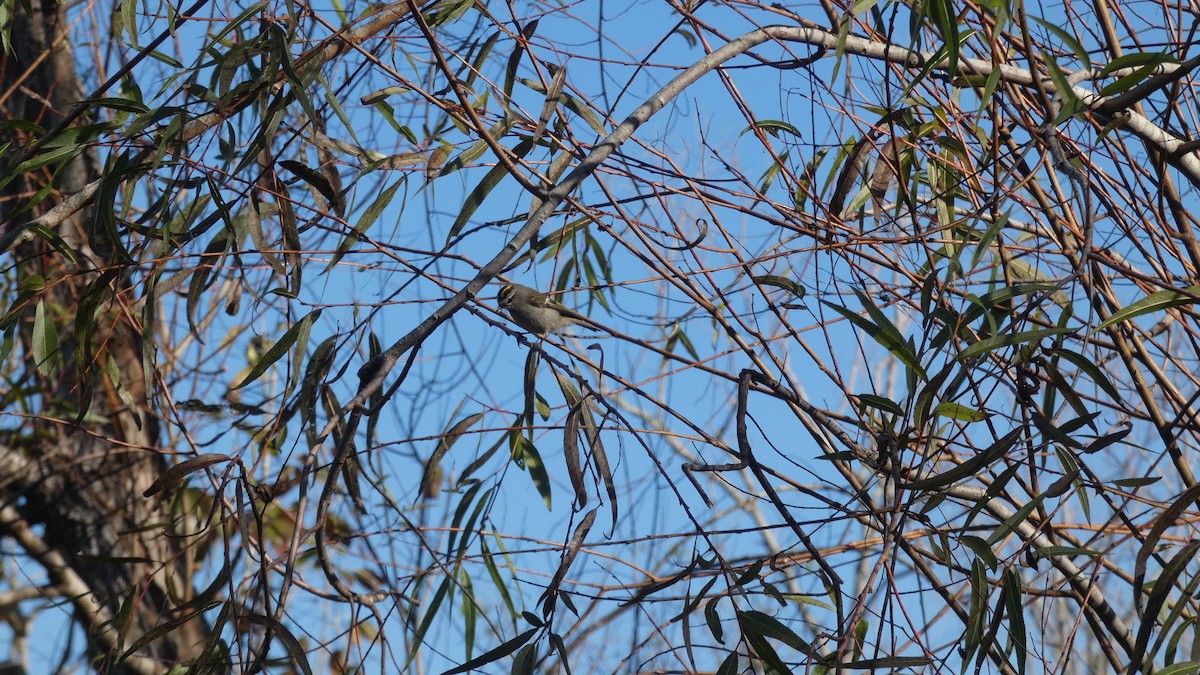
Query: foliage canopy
(898, 368)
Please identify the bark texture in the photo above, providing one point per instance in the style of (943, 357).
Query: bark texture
(79, 466)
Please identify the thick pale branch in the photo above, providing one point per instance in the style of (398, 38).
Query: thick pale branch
(69, 584)
(1091, 593)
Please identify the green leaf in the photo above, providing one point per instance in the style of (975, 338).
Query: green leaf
(45, 158)
(1013, 521)
(494, 572)
(772, 172)
(122, 104)
(1189, 668)
(532, 359)
(295, 650)
(466, 157)
(514, 59)
(861, 7)
(1068, 40)
(883, 332)
(880, 403)
(293, 336)
(958, 411)
(977, 615)
(995, 342)
(178, 472)
(1152, 303)
(1108, 439)
(451, 436)
(31, 285)
(493, 655)
(781, 282)
(527, 456)
(985, 99)
(677, 337)
(447, 11)
(1001, 296)
(774, 127)
(1065, 551)
(1159, 596)
(317, 180)
(6, 344)
(1136, 482)
(888, 663)
(476, 197)
(764, 625)
(762, 648)
(369, 216)
(1150, 544)
(470, 610)
(945, 16)
(970, 467)
(692, 604)
(1136, 60)
(1062, 86)
(212, 257)
(430, 610)
(45, 342)
(1140, 72)
(582, 411)
(982, 550)
(1059, 386)
(714, 620)
(1018, 638)
(730, 665)
(1089, 368)
(560, 647)
(553, 92)
(804, 183)
(56, 241)
(985, 242)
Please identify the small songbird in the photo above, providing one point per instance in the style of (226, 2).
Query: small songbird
(537, 313)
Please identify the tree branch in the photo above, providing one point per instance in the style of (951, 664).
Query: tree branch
(69, 584)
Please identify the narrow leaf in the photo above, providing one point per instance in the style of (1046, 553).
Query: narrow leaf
(294, 649)
(1154, 302)
(1013, 521)
(477, 196)
(888, 339)
(181, 470)
(277, 350)
(991, 344)
(493, 655)
(531, 460)
(970, 467)
(958, 411)
(45, 341)
(754, 622)
(780, 282)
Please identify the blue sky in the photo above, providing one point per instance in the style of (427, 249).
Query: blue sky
(470, 367)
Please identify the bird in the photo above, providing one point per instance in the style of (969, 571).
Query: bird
(537, 313)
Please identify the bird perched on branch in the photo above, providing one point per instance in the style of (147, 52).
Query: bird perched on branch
(537, 313)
